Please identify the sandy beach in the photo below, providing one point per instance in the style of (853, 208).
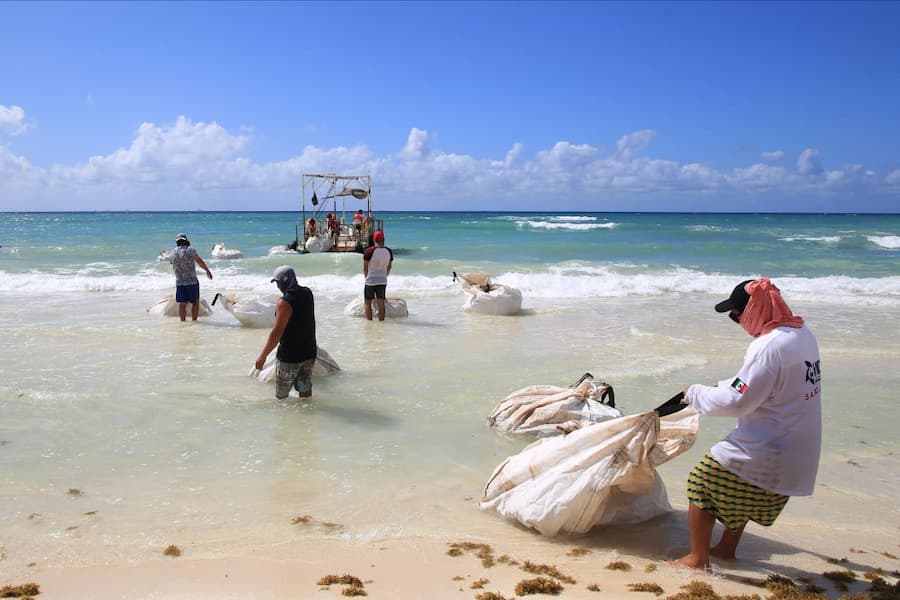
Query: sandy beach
(414, 568)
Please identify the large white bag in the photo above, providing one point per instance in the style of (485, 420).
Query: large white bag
(324, 365)
(250, 311)
(600, 474)
(488, 298)
(393, 308)
(545, 410)
(167, 307)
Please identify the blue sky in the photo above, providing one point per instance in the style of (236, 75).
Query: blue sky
(585, 106)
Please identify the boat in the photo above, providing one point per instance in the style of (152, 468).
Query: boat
(336, 214)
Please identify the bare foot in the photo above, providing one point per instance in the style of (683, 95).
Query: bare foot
(694, 562)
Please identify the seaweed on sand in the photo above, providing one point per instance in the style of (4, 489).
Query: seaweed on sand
(354, 584)
(18, 591)
(549, 570)
(483, 551)
(653, 588)
(538, 585)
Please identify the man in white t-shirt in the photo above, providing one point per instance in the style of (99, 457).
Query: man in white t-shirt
(377, 263)
(773, 452)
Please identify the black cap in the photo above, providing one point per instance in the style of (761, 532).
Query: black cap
(738, 299)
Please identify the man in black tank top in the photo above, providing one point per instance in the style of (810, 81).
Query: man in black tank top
(294, 332)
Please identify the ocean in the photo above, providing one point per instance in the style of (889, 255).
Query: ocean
(124, 431)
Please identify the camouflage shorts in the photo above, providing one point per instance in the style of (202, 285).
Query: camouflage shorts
(296, 375)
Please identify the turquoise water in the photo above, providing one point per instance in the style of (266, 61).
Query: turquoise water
(170, 441)
(804, 246)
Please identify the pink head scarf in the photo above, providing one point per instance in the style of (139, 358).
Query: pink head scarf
(766, 309)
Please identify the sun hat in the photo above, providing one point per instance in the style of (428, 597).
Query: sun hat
(181, 236)
(378, 236)
(738, 299)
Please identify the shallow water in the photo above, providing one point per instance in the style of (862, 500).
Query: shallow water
(168, 439)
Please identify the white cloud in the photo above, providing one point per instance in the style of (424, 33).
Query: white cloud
(632, 143)
(809, 163)
(772, 156)
(208, 166)
(416, 145)
(511, 156)
(16, 170)
(160, 153)
(758, 176)
(12, 119)
(856, 175)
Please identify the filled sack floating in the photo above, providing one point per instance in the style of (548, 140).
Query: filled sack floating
(393, 308)
(324, 366)
(603, 473)
(546, 410)
(486, 297)
(167, 307)
(220, 251)
(252, 311)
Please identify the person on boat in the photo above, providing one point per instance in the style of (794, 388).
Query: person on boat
(294, 332)
(377, 263)
(368, 226)
(311, 227)
(334, 228)
(358, 219)
(773, 452)
(184, 260)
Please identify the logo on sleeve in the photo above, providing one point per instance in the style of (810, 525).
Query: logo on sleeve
(813, 374)
(739, 385)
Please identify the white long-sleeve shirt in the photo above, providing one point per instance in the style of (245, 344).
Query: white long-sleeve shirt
(776, 397)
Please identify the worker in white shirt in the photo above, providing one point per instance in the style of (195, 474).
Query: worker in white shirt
(773, 452)
(377, 262)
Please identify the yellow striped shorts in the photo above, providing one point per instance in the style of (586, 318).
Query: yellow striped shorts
(711, 487)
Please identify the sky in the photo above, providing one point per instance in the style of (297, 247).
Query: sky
(543, 106)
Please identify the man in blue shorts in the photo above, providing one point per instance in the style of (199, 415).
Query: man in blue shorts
(294, 332)
(187, 286)
(377, 262)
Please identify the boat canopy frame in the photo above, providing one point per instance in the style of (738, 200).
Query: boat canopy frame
(335, 187)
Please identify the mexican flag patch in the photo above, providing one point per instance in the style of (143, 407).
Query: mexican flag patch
(739, 385)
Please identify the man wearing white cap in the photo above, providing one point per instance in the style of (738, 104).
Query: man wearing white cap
(294, 332)
(187, 287)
